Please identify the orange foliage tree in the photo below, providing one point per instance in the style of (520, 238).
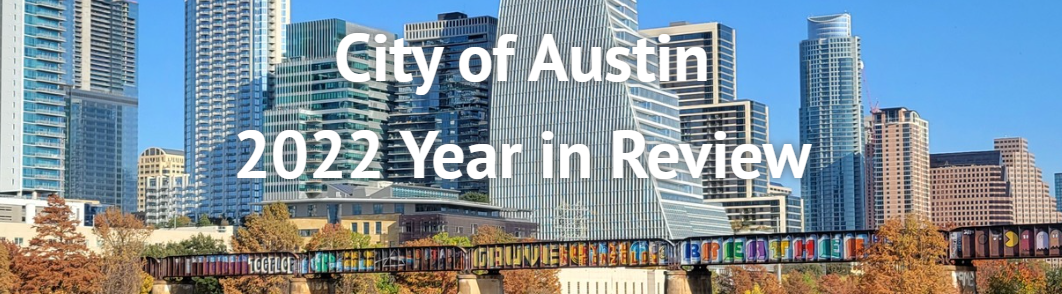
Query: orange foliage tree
(908, 259)
(799, 283)
(123, 238)
(269, 231)
(57, 260)
(741, 279)
(431, 282)
(8, 280)
(1001, 276)
(335, 236)
(838, 284)
(519, 281)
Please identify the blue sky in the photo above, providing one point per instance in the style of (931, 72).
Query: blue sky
(976, 70)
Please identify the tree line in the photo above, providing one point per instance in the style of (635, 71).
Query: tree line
(57, 259)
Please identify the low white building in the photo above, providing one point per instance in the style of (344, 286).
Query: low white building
(611, 281)
(167, 197)
(22, 210)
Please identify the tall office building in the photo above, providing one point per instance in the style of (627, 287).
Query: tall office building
(311, 96)
(156, 162)
(1058, 191)
(970, 189)
(102, 144)
(458, 109)
(1033, 203)
(831, 121)
(231, 47)
(600, 207)
(707, 107)
(36, 51)
(900, 165)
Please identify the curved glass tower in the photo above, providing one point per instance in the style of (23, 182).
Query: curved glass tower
(600, 207)
(831, 121)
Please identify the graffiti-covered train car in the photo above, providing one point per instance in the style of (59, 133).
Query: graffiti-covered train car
(1005, 242)
(776, 248)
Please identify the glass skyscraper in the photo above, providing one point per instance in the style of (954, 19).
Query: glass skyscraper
(311, 96)
(831, 121)
(102, 145)
(36, 45)
(458, 109)
(600, 207)
(231, 47)
(1058, 191)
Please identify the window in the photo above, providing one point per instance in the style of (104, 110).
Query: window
(365, 228)
(379, 228)
(400, 208)
(355, 209)
(311, 210)
(377, 208)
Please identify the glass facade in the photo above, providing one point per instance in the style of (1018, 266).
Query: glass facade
(312, 96)
(457, 108)
(831, 121)
(1058, 191)
(601, 207)
(102, 158)
(48, 45)
(231, 47)
(102, 145)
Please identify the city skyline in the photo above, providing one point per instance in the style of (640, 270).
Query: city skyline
(768, 61)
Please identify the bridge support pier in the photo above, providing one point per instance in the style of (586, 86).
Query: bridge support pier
(696, 281)
(490, 283)
(299, 286)
(964, 277)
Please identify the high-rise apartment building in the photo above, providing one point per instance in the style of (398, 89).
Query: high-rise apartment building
(102, 128)
(970, 189)
(156, 162)
(231, 48)
(707, 107)
(1033, 203)
(458, 109)
(169, 197)
(901, 178)
(602, 206)
(36, 69)
(831, 121)
(311, 96)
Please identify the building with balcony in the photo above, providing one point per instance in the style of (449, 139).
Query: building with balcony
(156, 162)
(231, 49)
(900, 171)
(170, 196)
(312, 96)
(458, 109)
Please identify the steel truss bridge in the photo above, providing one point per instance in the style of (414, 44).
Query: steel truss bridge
(965, 244)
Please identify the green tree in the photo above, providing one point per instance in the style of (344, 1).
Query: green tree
(199, 244)
(204, 221)
(475, 197)
(1054, 280)
(269, 231)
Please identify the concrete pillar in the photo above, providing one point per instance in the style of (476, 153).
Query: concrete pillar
(964, 278)
(700, 280)
(676, 282)
(299, 286)
(490, 283)
(160, 287)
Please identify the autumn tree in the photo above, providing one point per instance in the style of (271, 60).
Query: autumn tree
(269, 231)
(123, 238)
(518, 281)
(431, 282)
(8, 280)
(799, 282)
(200, 244)
(1005, 277)
(57, 260)
(838, 284)
(908, 260)
(741, 279)
(335, 236)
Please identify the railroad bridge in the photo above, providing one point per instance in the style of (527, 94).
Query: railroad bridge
(686, 260)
